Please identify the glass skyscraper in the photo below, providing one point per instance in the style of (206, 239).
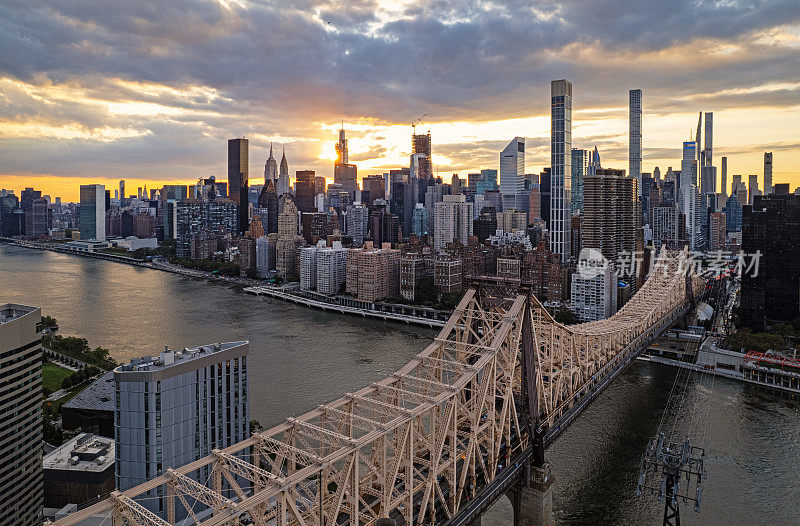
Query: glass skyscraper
(561, 164)
(92, 212)
(635, 136)
(512, 172)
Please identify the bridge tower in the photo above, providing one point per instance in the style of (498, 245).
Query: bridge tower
(532, 497)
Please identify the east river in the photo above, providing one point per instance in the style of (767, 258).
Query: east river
(300, 358)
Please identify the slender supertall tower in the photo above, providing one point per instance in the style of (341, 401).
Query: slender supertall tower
(122, 189)
(767, 173)
(270, 169)
(698, 147)
(635, 136)
(708, 144)
(561, 163)
(724, 176)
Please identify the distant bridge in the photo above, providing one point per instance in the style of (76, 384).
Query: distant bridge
(465, 421)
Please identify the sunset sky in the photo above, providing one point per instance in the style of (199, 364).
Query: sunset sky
(149, 91)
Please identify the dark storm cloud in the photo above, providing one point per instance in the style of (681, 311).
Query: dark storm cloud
(281, 67)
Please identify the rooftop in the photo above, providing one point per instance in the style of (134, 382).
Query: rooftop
(12, 311)
(99, 396)
(85, 452)
(168, 358)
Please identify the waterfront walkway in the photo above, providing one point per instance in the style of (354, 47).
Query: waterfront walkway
(421, 316)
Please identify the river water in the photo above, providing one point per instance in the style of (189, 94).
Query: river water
(300, 358)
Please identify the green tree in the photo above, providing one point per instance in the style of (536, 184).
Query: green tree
(565, 316)
(425, 292)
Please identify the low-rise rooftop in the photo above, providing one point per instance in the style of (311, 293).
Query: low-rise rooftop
(99, 396)
(12, 311)
(85, 452)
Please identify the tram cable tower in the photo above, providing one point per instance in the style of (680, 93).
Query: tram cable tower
(665, 466)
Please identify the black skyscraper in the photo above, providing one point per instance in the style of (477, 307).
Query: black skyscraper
(268, 206)
(304, 191)
(238, 175)
(771, 226)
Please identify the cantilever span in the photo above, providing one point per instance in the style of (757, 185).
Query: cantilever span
(422, 444)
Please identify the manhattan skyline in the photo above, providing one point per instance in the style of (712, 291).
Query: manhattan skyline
(151, 93)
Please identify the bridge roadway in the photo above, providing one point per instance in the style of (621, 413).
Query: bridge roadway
(435, 443)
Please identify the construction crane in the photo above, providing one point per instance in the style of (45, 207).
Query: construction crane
(417, 121)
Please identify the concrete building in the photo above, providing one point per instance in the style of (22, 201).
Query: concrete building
(308, 266)
(357, 223)
(373, 274)
(413, 267)
(634, 136)
(708, 140)
(664, 224)
(512, 221)
(767, 173)
(448, 273)
(20, 416)
(561, 167)
(79, 470)
(594, 295)
(752, 187)
(200, 215)
(580, 168)
(92, 212)
(452, 220)
(716, 231)
(331, 268)
(178, 407)
(723, 177)
(512, 173)
(263, 262)
(611, 217)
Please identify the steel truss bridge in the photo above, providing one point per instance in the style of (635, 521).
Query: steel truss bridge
(465, 421)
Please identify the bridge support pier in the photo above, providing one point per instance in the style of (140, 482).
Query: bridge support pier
(533, 504)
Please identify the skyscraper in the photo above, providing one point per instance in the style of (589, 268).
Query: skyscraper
(767, 173)
(284, 186)
(21, 416)
(771, 227)
(453, 220)
(512, 172)
(708, 147)
(421, 144)
(92, 212)
(238, 176)
(689, 164)
(580, 168)
(737, 182)
(268, 207)
(122, 189)
(270, 169)
(752, 187)
(561, 167)
(611, 217)
(724, 176)
(304, 190)
(634, 136)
